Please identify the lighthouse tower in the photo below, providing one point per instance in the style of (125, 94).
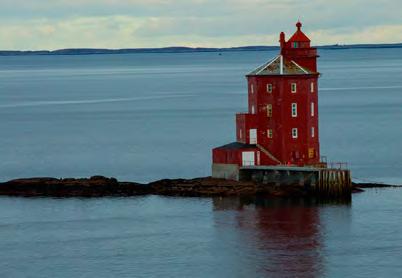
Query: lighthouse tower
(281, 125)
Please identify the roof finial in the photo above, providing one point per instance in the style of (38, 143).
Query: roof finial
(298, 25)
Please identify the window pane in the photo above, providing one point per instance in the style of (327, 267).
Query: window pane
(294, 109)
(269, 110)
(293, 87)
(312, 109)
(269, 88)
(269, 133)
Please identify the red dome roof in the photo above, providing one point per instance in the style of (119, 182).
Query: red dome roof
(299, 36)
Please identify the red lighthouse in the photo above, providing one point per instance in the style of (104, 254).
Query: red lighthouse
(281, 125)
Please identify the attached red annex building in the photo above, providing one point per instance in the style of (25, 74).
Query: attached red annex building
(281, 126)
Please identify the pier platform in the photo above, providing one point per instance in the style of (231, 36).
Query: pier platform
(328, 182)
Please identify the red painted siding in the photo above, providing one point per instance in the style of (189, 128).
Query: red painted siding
(245, 122)
(270, 112)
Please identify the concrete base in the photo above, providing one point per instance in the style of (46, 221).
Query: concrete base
(280, 176)
(225, 171)
(266, 175)
(326, 182)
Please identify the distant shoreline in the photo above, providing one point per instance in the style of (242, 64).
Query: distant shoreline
(94, 51)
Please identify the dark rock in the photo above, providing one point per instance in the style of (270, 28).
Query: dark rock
(202, 187)
(99, 186)
(94, 187)
(357, 190)
(373, 185)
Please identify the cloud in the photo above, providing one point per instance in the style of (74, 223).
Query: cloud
(53, 24)
(375, 34)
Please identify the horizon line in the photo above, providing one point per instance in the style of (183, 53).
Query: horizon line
(94, 50)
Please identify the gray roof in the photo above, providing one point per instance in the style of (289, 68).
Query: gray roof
(237, 145)
(280, 66)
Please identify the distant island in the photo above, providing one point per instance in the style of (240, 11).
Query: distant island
(92, 51)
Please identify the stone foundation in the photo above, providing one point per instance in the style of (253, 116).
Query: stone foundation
(225, 171)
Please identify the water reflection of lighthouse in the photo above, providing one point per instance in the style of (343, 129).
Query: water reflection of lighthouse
(276, 238)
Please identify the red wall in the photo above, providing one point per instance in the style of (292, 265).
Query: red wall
(233, 156)
(225, 156)
(304, 57)
(245, 122)
(282, 145)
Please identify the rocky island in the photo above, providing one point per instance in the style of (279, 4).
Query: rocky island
(99, 186)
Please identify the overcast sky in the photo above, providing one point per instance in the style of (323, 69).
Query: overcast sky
(55, 24)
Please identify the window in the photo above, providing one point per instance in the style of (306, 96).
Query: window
(312, 132)
(252, 109)
(269, 88)
(294, 133)
(312, 109)
(311, 153)
(294, 110)
(253, 136)
(312, 87)
(248, 159)
(295, 44)
(240, 134)
(269, 110)
(269, 133)
(294, 87)
(252, 88)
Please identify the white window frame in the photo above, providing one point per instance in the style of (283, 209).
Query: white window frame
(248, 158)
(295, 133)
(312, 85)
(312, 132)
(269, 88)
(253, 135)
(294, 110)
(252, 109)
(293, 88)
(269, 110)
(312, 109)
(270, 133)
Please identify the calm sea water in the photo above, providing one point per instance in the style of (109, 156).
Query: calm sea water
(190, 237)
(150, 116)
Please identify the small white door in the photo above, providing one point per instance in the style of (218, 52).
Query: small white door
(253, 136)
(248, 158)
